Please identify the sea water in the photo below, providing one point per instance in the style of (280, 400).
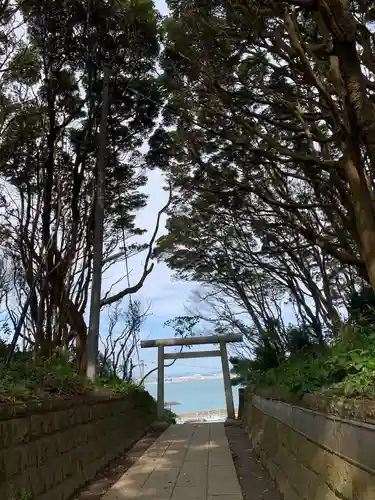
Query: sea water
(194, 395)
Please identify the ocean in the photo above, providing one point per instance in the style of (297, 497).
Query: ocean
(194, 395)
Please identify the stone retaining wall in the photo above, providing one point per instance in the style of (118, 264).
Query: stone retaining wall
(312, 455)
(48, 450)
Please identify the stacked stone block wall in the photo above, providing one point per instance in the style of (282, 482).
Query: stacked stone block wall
(48, 450)
(312, 455)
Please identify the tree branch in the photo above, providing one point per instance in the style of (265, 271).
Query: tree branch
(148, 267)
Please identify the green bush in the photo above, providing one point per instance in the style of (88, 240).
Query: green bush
(297, 376)
(115, 384)
(169, 416)
(25, 380)
(362, 307)
(345, 368)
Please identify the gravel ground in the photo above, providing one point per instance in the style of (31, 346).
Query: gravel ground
(255, 482)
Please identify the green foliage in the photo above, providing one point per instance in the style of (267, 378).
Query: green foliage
(299, 339)
(258, 216)
(345, 368)
(25, 496)
(267, 354)
(243, 369)
(52, 99)
(24, 67)
(362, 306)
(24, 380)
(115, 384)
(272, 351)
(297, 376)
(169, 416)
(183, 326)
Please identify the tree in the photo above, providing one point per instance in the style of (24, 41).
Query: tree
(270, 158)
(226, 257)
(362, 306)
(121, 341)
(262, 84)
(183, 326)
(52, 85)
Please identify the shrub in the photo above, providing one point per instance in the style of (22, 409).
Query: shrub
(362, 306)
(169, 416)
(24, 380)
(345, 368)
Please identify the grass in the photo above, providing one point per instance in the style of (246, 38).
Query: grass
(25, 380)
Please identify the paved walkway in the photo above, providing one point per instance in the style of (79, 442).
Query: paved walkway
(187, 462)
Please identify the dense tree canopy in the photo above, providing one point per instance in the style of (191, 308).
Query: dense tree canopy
(53, 56)
(261, 116)
(271, 152)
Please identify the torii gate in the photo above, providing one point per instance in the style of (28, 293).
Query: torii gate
(222, 340)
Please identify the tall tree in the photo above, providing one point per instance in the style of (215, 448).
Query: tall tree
(270, 153)
(48, 150)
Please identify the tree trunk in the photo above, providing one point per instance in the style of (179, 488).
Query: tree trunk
(363, 208)
(360, 109)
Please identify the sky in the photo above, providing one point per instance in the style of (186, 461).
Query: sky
(165, 296)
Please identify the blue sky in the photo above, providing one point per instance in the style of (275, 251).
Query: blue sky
(161, 5)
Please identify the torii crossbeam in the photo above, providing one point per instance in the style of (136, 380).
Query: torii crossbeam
(222, 340)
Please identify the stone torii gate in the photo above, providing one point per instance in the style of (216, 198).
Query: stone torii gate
(222, 340)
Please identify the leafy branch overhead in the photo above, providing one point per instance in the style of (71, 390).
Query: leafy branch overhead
(271, 152)
(148, 265)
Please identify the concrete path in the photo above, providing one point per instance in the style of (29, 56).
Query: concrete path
(187, 462)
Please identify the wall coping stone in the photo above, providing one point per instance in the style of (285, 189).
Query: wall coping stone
(331, 432)
(360, 409)
(26, 408)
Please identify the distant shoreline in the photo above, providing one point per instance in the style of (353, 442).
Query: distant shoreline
(188, 378)
(195, 395)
